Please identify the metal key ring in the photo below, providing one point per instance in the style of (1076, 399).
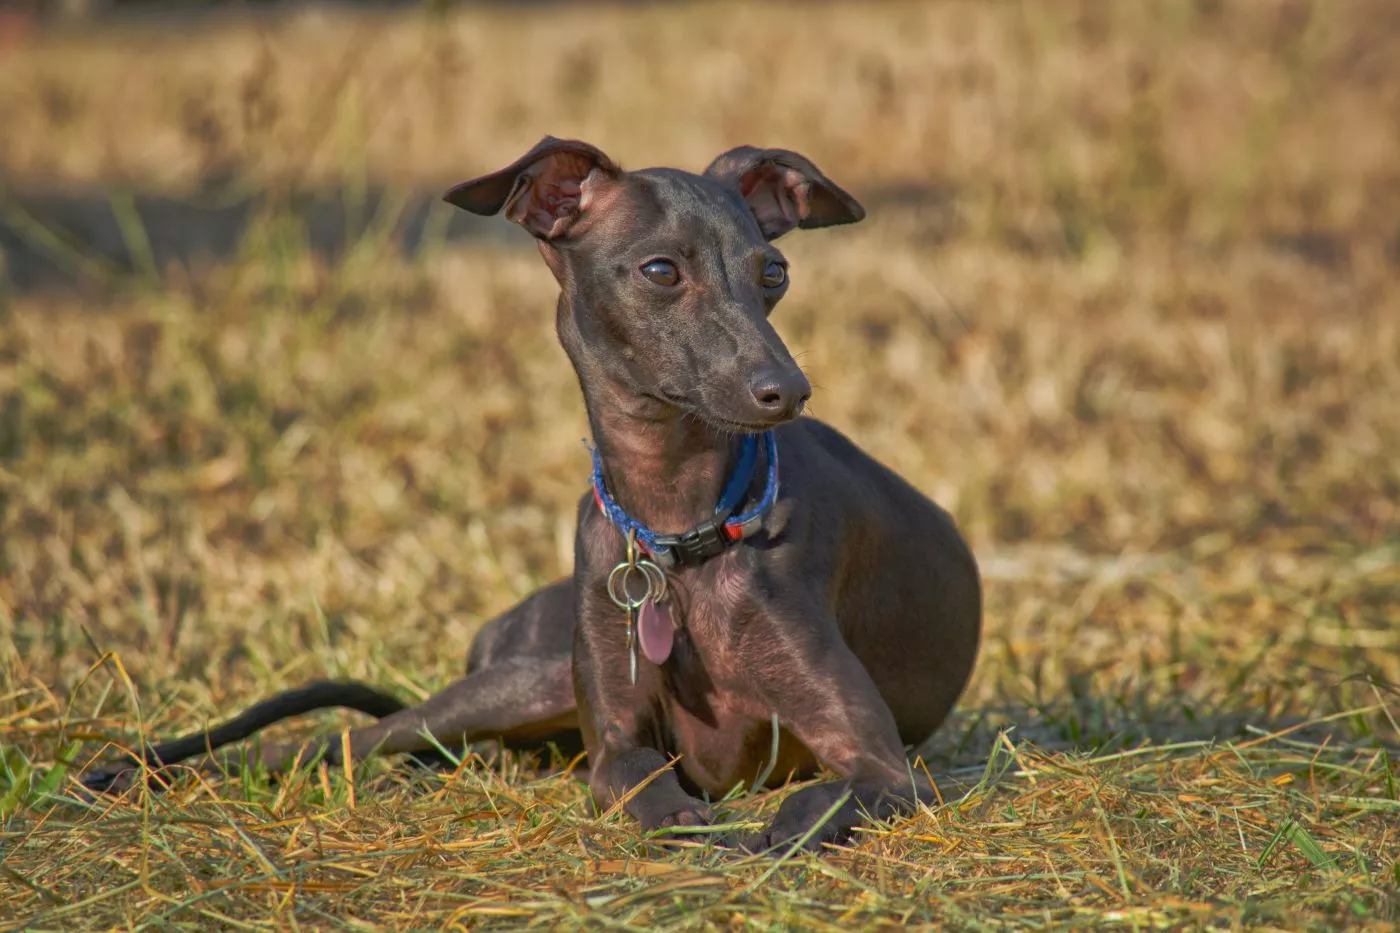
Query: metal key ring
(625, 602)
(657, 579)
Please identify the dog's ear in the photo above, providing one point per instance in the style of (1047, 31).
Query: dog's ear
(784, 190)
(545, 190)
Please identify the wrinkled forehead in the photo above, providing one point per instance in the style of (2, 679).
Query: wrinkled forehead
(669, 204)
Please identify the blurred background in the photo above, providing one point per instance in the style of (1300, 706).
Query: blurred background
(1126, 303)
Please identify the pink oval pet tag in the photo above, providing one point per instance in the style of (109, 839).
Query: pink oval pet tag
(656, 631)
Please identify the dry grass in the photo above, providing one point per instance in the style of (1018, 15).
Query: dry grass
(1127, 303)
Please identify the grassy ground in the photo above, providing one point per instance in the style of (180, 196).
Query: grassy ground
(1128, 303)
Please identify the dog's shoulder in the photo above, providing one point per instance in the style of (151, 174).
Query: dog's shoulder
(813, 452)
(806, 441)
(806, 434)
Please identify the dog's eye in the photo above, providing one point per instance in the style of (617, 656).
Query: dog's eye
(774, 275)
(662, 272)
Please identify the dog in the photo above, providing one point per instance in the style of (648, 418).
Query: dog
(739, 568)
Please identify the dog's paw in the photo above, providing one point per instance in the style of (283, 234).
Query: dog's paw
(690, 816)
(778, 840)
(689, 813)
(796, 823)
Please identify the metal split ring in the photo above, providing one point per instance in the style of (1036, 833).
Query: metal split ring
(620, 591)
(657, 577)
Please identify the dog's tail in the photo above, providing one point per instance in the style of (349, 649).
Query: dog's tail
(323, 694)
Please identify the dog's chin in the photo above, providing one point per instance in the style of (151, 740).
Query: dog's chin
(741, 427)
(722, 422)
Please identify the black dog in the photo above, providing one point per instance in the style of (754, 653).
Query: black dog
(822, 590)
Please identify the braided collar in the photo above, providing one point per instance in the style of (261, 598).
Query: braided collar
(710, 537)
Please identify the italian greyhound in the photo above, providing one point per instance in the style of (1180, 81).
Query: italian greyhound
(828, 601)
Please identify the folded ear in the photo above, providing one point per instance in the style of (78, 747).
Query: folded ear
(784, 190)
(545, 190)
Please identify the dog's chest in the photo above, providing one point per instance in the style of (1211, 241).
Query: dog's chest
(716, 718)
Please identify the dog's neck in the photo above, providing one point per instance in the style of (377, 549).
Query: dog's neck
(666, 468)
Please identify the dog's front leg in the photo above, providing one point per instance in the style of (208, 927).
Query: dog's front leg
(661, 804)
(826, 698)
(622, 733)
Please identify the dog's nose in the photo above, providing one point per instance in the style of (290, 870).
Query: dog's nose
(780, 393)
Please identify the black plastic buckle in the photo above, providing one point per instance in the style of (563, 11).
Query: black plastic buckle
(695, 546)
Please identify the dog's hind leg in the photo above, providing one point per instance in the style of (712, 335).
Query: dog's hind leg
(518, 688)
(519, 700)
(325, 694)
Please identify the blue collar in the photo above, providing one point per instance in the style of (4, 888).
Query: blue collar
(709, 537)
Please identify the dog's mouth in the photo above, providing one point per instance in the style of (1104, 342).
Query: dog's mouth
(714, 420)
(741, 427)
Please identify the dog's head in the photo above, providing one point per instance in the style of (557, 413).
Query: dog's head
(669, 277)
